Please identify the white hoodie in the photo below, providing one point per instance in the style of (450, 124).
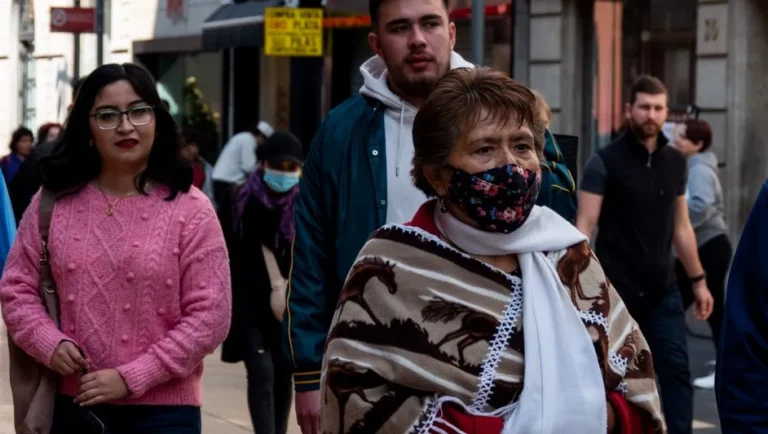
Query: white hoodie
(403, 199)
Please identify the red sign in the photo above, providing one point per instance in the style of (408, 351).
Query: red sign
(175, 9)
(73, 20)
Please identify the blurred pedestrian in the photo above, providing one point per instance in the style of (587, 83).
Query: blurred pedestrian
(202, 171)
(741, 380)
(140, 264)
(633, 191)
(557, 186)
(21, 145)
(237, 160)
(706, 207)
(48, 132)
(28, 179)
(356, 178)
(7, 224)
(260, 257)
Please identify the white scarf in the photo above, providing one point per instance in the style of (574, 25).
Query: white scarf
(563, 388)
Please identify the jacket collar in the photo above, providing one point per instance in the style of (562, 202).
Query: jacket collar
(424, 218)
(635, 144)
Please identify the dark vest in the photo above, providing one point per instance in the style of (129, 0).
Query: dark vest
(637, 220)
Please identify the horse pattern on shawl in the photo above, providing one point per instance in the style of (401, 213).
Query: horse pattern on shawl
(417, 319)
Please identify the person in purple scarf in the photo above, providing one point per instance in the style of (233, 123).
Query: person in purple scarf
(262, 228)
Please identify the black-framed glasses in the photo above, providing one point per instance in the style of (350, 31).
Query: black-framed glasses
(110, 119)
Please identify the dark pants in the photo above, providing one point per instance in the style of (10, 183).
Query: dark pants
(221, 192)
(662, 321)
(131, 419)
(270, 387)
(715, 257)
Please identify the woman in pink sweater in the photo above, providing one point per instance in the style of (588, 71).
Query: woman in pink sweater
(139, 260)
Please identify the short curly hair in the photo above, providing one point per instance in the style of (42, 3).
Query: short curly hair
(461, 100)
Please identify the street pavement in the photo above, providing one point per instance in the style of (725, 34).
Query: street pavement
(225, 409)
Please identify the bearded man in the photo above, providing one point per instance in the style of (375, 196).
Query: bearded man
(633, 190)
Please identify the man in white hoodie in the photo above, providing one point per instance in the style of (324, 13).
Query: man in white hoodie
(357, 175)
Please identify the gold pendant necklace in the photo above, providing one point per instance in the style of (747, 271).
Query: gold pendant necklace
(109, 208)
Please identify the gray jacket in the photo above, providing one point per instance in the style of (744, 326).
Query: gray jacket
(705, 198)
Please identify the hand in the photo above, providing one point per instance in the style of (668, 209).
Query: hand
(704, 300)
(100, 387)
(308, 411)
(611, 417)
(68, 360)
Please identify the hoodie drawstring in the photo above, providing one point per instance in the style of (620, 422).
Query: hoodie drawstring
(399, 139)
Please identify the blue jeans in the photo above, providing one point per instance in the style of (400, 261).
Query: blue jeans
(132, 419)
(661, 318)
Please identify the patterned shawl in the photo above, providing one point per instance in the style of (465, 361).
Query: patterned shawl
(417, 318)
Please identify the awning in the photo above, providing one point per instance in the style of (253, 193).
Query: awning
(236, 25)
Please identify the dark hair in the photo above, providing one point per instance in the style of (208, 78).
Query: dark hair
(375, 5)
(190, 136)
(646, 84)
(19, 134)
(253, 128)
(457, 105)
(697, 130)
(74, 162)
(42, 132)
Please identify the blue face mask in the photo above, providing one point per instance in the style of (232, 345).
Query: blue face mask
(281, 182)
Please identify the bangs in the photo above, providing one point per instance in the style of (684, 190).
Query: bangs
(503, 109)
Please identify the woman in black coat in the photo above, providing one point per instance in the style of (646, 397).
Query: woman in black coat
(262, 227)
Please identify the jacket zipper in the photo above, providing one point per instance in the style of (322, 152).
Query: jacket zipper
(649, 160)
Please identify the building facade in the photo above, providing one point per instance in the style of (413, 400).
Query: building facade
(163, 35)
(584, 54)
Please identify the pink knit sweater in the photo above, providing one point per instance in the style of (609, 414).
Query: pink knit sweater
(146, 290)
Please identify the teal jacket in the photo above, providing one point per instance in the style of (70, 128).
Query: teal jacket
(342, 200)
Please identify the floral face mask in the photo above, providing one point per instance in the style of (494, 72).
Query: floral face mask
(499, 199)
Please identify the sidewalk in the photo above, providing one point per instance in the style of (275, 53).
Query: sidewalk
(225, 396)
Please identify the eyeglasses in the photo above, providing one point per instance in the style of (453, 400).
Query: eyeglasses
(111, 119)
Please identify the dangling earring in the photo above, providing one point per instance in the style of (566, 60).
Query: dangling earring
(443, 207)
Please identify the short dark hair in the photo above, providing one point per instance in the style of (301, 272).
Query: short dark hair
(19, 134)
(191, 136)
(646, 84)
(456, 105)
(42, 132)
(74, 162)
(375, 5)
(697, 130)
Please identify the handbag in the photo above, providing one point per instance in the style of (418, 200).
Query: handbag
(278, 284)
(34, 386)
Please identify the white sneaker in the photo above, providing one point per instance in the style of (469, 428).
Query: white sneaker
(707, 382)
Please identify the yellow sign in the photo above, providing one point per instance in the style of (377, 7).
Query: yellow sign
(293, 32)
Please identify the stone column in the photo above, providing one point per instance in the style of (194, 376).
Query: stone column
(557, 61)
(545, 54)
(10, 104)
(741, 141)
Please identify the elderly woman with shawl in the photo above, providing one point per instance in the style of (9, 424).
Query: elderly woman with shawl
(486, 314)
